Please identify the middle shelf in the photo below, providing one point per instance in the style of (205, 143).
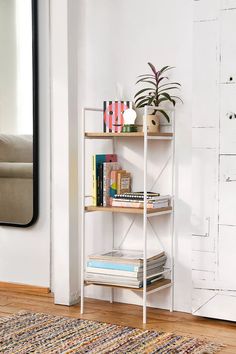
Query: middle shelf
(159, 211)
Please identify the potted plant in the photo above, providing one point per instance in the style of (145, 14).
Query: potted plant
(157, 93)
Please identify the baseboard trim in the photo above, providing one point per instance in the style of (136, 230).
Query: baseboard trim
(24, 288)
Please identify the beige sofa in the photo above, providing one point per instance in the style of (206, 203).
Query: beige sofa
(16, 179)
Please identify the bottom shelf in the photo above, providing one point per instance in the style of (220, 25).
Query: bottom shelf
(157, 285)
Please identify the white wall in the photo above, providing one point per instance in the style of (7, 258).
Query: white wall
(120, 37)
(25, 253)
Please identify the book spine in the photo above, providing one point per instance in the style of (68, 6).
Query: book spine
(115, 266)
(105, 184)
(100, 185)
(113, 183)
(125, 204)
(94, 181)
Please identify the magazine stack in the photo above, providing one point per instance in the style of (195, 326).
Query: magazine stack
(124, 268)
(136, 200)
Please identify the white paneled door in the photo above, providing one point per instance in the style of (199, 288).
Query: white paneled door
(214, 160)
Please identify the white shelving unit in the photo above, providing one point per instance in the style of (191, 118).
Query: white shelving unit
(145, 213)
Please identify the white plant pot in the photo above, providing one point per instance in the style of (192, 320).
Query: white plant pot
(153, 121)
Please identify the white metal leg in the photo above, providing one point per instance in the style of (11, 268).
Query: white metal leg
(82, 212)
(113, 224)
(145, 218)
(172, 218)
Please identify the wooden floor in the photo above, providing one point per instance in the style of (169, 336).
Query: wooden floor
(130, 315)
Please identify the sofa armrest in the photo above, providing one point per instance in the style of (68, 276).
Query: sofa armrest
(16, 170)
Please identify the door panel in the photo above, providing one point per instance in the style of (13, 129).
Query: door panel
(227, 199)
(204, 200)
(228, 46)
(227, 259)
(228, 120)
(205, 73)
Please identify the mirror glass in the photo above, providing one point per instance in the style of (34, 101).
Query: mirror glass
(18, 112)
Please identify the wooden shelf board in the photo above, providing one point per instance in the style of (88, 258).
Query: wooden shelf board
(133, 135)
(156, 285)
(126, 210)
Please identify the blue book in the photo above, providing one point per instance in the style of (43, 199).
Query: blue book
(116, 266)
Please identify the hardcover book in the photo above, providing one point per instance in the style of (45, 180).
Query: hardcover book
(129, 266)
(97, 161)
(113, 182)
(108, 167)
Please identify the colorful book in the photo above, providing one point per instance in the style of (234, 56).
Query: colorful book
(139, 204)
(125, 266)
(113, 182)
(97, 161)
(107, 168)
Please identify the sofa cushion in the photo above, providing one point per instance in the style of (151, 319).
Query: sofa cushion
(16, 170)
(16, 148)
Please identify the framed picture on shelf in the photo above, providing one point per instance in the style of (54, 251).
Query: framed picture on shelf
(114, 115)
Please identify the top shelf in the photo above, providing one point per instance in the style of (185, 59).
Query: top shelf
(157, 136)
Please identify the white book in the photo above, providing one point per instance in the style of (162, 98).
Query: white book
(124, 273)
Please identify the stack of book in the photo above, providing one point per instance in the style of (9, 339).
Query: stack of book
(108, 179)
(136, 200)
(124, 268)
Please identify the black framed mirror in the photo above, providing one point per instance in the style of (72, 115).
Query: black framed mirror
(18, 112)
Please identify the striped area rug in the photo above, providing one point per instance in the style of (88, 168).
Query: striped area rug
(28, 332)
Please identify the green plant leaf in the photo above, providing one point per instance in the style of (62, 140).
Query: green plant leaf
(146, 96)
(153, 68)
(151, 99)
(143, 102)
(162, 78)
(165, 68)
(169, 83)
(164, 114)
(148, 75)
(168, 89)
(163, 99)
(144, 90)
(148, 82)
(178, 98)
(168, 97)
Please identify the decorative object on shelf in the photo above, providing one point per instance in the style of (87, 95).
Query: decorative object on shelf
(154, 95)
(114, 115)
(129, 118)
(129, 128)
(123, 182)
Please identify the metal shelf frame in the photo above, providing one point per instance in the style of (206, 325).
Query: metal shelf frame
(145, 213)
